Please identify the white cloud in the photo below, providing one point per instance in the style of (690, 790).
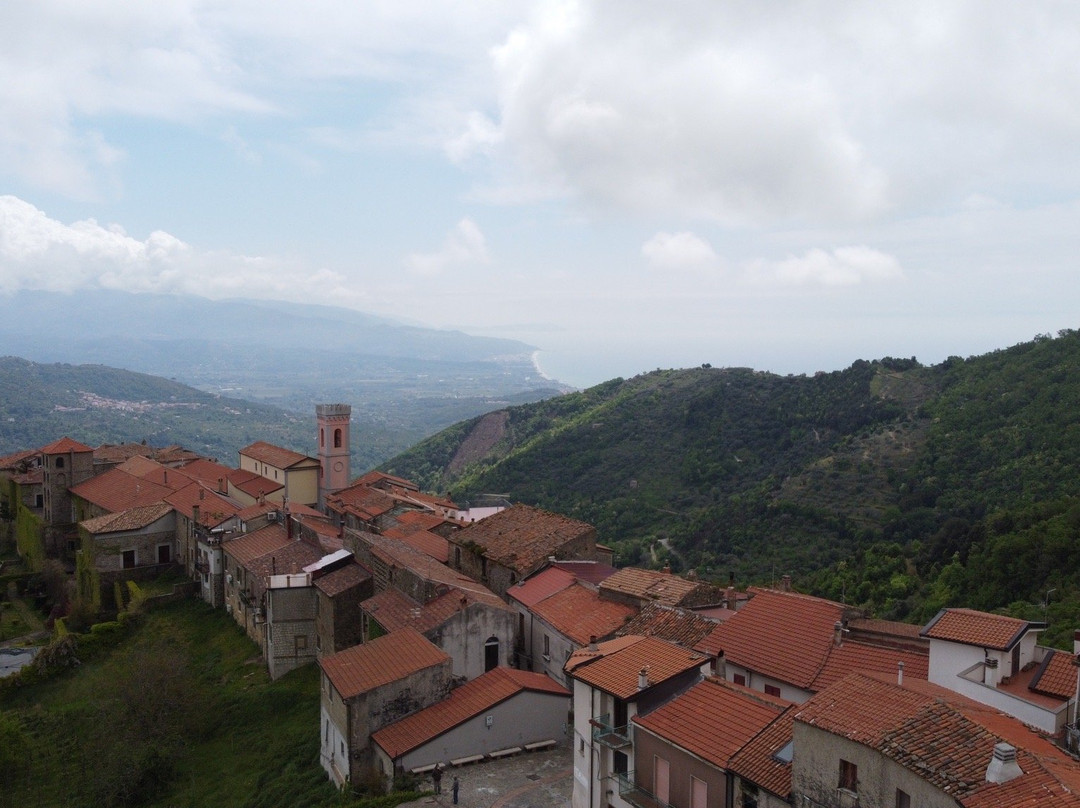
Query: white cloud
(37, 252)
(843, 266)
(679, 251)
(464, 245)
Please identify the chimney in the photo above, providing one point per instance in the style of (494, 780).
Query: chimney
(1076, 642)
(1003, 766)
(838, 633)
(643, 679)
(900, 673)
(667, 569)
(730, 598)
(720, 665)
(592, 643)
(785, 583)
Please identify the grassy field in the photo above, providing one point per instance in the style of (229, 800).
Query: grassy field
(173, 711)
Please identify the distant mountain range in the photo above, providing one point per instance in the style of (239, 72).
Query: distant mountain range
(889, 484)
(404, 382)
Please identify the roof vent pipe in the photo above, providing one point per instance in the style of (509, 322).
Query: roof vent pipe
(592, 643)
(1003, 766)
(720, 665)
(643, 679)
(900, 673)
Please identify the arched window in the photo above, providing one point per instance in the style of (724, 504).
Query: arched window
(59, 462)
(337, 438)
(322, 436)
(491, 653)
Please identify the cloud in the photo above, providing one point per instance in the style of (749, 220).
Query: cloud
(679, 251)
(37, 252)
(843, 266)
(464, 245)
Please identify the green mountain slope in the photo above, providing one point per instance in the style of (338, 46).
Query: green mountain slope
(864, 482)
(97, 404)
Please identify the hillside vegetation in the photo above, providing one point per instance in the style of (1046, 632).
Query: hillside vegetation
(890, 484)
(177, 710)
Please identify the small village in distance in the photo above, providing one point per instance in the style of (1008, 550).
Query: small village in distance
(446, 636)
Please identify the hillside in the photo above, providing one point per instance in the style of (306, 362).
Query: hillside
(96, 404)
(864, 483)
(403, 381)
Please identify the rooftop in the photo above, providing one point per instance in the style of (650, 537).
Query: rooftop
(380, 661)
(971, 627)
(522, 537)
(116, 490)
(63, 446)
(545, 583)
(615, 666)
(131, 519)
(680, 626)
(578, 612)
(651, 585)
(276, 456)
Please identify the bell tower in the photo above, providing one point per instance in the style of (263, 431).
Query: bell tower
(333, 421)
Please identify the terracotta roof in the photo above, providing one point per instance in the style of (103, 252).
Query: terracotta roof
(342, 579)
(545, 583)
(1056, 675)
(468, 701)
(757, 761)
(116, 490)
(692, 719)
(12, 461)
(972, 627)
(289, 559)
(394, 610)
(522, 537)
(945, 738)
(680, 626)
(585, 654)
(258, 509)
(783, 635)
(419, 498)
(213, 474)
(578, 613)
(252, 484)
(591, 572)
(146, 469)
(255, 545)
(423, 540)
(615, 669)
(425, 520)
(892, 628)
(365, 502)
(376, 479)
(856, 656)
(276, 456)
(131, 519)
(213, 508)
(381, 661)
(650, 585)
(63, 446)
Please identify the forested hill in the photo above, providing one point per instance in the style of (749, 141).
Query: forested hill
(94, 404)
(889, 484)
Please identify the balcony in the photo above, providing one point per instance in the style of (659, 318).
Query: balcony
(634, 794)
(610, 736)
(202, 567)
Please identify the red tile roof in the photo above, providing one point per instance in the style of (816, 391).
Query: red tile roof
(289, 559)
(680, 626)
(361, 501)
(591, 572)
(394, 610)
(15, 460)
(423, 540)
(972, 627)
(615, 668)
(63, 446)
(213, 508)
(522, 537)
(131, 519)
(377, 479)
(757, 761)
(342, 579)
(856, 656)
(651, 586)
(783, 635)
(252, 484)
(544, 584)
(1056, 676)
(944, 738)
(691, 720)
(468, 701)
(578, 612)
(255, 545)
(116, 490)
(213, 474)
(276, 456)
(381, 661)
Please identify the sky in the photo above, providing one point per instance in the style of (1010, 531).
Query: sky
(789, 186)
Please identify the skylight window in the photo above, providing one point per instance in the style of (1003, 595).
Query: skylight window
(783, 754)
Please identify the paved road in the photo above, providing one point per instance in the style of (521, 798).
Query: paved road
(528, 780)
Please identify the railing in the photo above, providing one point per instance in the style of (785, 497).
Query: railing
(610, 736)
(634, 794)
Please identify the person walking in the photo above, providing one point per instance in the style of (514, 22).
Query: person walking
(436, 778)
(455, 789)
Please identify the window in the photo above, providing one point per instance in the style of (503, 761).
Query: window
(739, 679)
(783, 754)
(772, 690)
(59, 462)
(322, 437)
(164, 554)
(699, 793)
(39, 501)
(903, 799)
(849, 776)
(337, 438)
(547, 647)
(620, 762)
(128, 557)
(301, 642)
